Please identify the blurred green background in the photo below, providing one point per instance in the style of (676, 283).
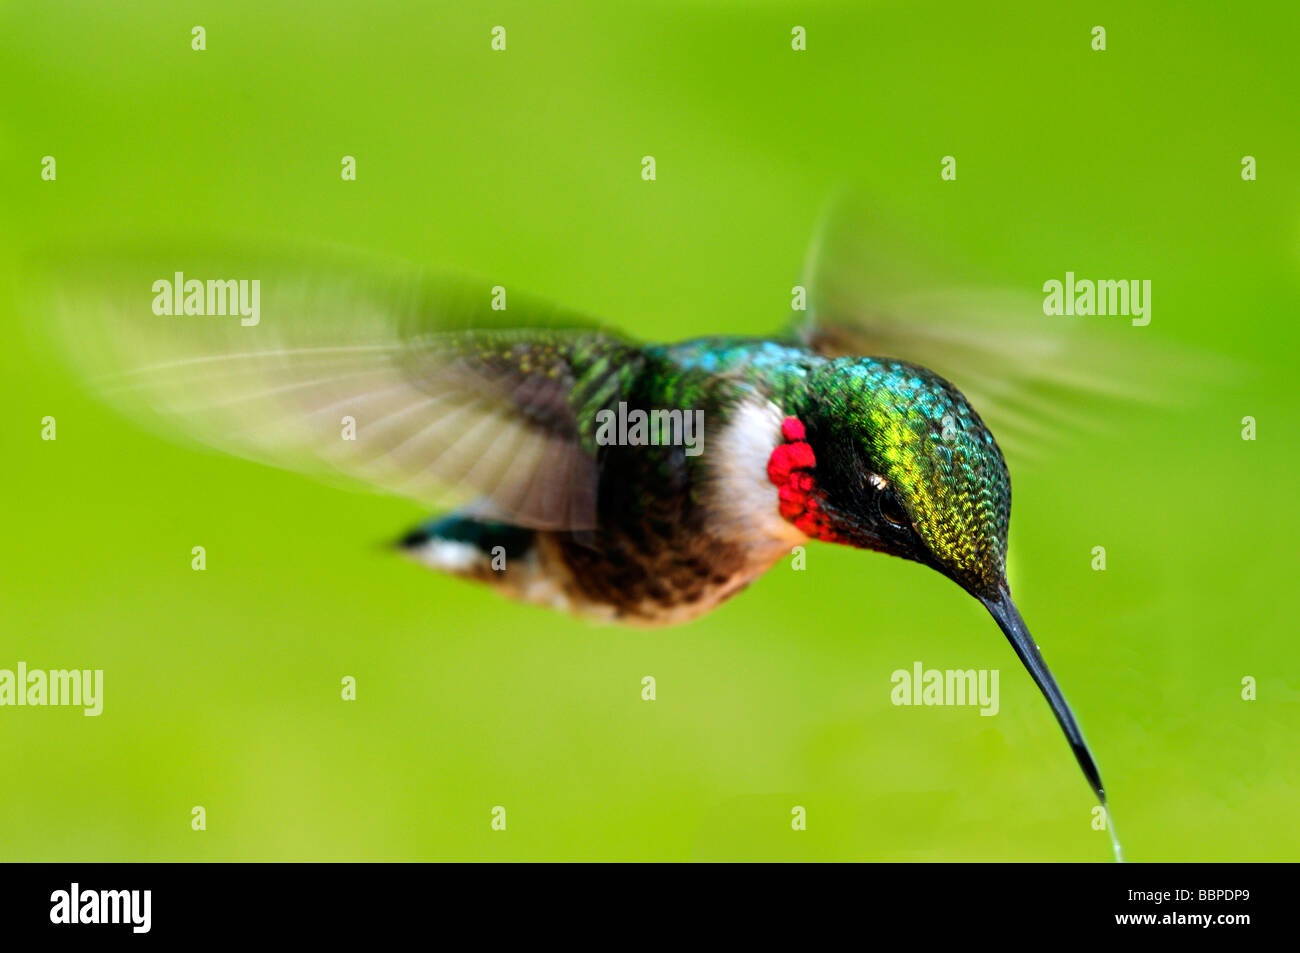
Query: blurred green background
(222, 687)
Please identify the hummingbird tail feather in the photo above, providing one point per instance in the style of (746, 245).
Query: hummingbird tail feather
(464, 545)
(518, 562)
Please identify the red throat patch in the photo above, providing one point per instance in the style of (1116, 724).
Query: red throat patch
(790, 468)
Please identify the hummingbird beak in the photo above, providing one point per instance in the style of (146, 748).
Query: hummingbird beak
(1008, 618)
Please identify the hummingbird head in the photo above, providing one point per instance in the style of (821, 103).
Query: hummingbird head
(890, 456)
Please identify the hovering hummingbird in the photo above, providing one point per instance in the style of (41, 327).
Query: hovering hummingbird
(637, 482)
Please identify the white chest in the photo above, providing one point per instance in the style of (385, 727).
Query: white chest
(743, 502)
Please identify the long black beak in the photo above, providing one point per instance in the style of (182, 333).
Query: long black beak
(1008, 618)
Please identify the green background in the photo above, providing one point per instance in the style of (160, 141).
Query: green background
(222, 687)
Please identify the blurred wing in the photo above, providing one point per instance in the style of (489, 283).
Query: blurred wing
(1032, 378)
(407, 383)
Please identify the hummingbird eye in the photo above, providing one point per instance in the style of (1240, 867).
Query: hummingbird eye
(890, 509)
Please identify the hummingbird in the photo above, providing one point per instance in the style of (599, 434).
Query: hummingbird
(621, 480)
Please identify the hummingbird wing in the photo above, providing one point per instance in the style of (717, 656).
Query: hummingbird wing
(1032, 377)
(422, 386)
